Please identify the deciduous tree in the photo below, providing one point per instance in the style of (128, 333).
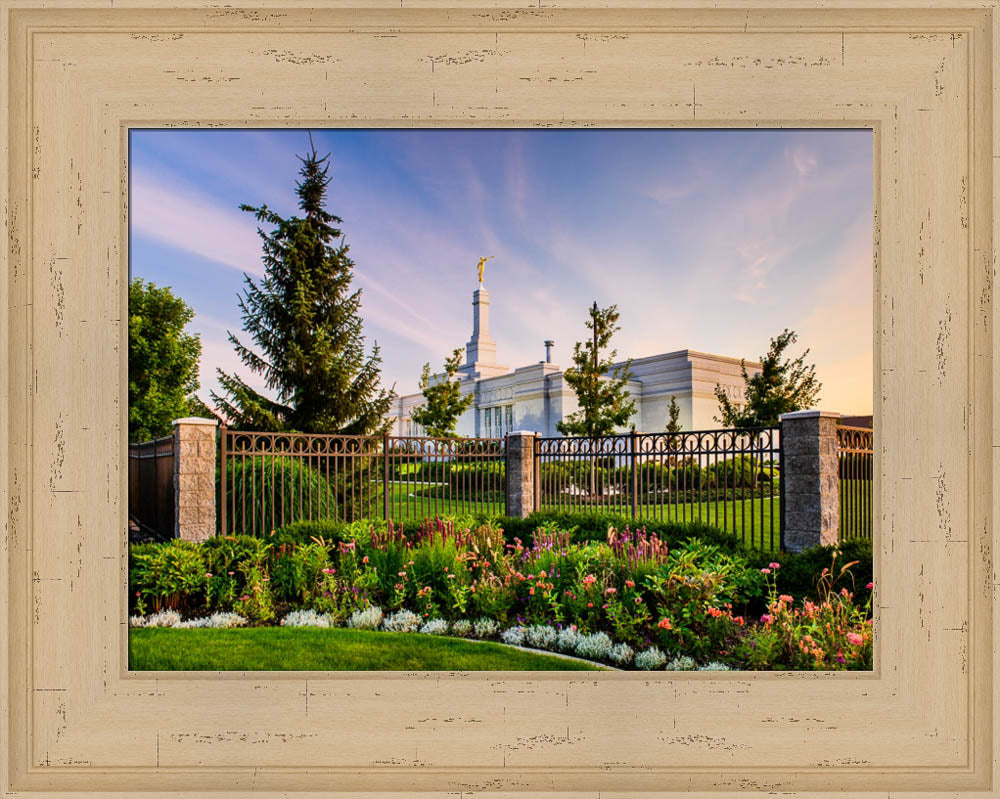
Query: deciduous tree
(783, 385)
(599, 385)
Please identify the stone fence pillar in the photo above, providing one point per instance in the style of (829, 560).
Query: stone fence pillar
(194, 478)
(811, 476)
(520, 473)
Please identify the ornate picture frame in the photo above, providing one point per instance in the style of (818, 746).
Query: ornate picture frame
(81, 74)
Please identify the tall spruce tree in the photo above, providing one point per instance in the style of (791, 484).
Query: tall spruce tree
(444, 402)
(599, 385)
(303, 317)
(783, 385)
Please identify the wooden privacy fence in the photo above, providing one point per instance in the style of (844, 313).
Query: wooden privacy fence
(151, 485)
(855, 457)
(267, 480)
(730, 479)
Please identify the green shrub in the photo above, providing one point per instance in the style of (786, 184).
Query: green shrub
(265, 492)
(477, 477)
(296, 570)
(171, 574)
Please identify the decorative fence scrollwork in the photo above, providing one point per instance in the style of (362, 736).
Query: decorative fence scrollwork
(855, 455)
(267, 480)
(730, 479)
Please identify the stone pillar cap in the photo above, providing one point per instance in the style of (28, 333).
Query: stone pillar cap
(811, 414)
(522, 433)
(195, 420)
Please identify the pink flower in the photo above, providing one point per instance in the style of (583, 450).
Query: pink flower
(327, 571)
(767, 618)
(854, 638)
(765, 571)
(589, 580)
(610, 591)
(785, 598)
(870, 586)
(230, 573)
(774, 565)
(208, 575)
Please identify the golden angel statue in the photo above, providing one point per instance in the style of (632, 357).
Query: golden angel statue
(482, 265)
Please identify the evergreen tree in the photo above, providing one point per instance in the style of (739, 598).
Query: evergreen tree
(444, 401)
(600, 390)
(162, 361)
(673, 416)
(782, 386)
(303, 317)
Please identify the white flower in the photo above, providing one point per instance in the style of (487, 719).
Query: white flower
(650, 659)
(621, 654)
(435, 627)
(541, 636)
(594, 647)
(462, 628)
(368, 619)
(137, 621)
(513, 636)
(306, 618)
(402, 621)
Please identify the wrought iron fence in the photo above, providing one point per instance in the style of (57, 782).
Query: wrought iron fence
(730, 479)
(151, 485)
(267, 480)
(855, 455)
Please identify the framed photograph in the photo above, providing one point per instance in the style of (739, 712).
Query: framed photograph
(398, 575)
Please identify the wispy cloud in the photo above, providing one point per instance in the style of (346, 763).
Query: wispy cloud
(705, 241)
(190, 221)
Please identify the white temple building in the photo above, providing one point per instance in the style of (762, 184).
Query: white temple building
(536, 397)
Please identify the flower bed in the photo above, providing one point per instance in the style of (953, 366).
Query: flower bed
(629, 600)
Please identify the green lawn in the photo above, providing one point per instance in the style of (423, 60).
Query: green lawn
(335, 649)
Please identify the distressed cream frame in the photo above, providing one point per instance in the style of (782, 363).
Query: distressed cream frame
(80, 73)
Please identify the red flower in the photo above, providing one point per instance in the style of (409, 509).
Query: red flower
(665, 624)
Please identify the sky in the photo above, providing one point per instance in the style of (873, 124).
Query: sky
(710, 240)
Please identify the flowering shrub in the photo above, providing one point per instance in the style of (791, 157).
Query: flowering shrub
(834, 633)
(603, 597)
(435, 627)
(402, 621)
(650, 659)
(367, 619)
